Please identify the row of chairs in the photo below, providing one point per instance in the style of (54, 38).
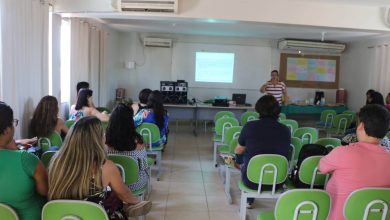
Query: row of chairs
(335, 124)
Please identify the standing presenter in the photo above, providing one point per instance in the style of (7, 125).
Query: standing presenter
(275, 87)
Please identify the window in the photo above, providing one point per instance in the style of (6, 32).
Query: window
(214, 67)
(65, 60)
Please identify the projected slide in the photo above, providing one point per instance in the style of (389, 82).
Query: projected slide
(214, 67)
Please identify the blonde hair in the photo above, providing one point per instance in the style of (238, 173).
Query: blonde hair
(78, 162)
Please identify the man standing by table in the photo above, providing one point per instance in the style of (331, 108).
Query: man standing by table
(275, 87)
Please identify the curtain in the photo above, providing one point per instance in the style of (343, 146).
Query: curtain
(87, 44)
(24, 40)
(380, 78)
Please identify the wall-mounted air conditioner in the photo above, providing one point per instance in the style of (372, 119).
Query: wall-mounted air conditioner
(82, 6)
(157, 42)
(313, 46)
(168, 6)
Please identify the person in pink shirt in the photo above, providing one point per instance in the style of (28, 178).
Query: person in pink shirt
(362, 164)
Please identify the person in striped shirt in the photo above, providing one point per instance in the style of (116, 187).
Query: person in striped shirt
(275, 87)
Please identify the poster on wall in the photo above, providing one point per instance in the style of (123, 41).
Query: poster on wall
(309, 71)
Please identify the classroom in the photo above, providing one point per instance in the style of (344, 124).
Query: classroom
(199, 59)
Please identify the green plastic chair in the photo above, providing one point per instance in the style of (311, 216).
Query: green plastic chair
(300, 204)
(282, 116)
(307, 135)
(339, 124)
(102, 109)
(73, 210)
(104, 124)
(388, 135)
(54, 139)
(264, 169)
(248, 116)
(352, 114)
(129, 170)
(291, 124)
(326, 119)
(223, 114)
(46, 157)
(7, 213)
(230, 133)
(368, 204)
(296, 146)
(329, 143)
(221, 126)
(69, 123)
(151, 134)
(309, 173)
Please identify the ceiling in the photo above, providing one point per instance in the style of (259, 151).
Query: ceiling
(234, 28)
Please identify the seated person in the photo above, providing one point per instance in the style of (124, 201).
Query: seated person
(361, 164)
(368, 95)
(264, 136)
(143, 99)
(154, 113)
(79, 86)
(376, 98)
(23, 179)
(45, 119)
(89, 175)
(387, 105)
(123, 139)
(84, 107)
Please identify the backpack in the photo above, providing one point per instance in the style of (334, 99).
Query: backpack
(307, 150)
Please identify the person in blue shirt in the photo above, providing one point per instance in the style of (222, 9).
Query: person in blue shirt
(155, 113)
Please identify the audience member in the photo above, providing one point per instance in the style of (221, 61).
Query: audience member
(23, 179)
(84, 107)
(376, 98)
(361, 164)
(79, 86)
(80, 170)
(387, 105)
(368, 95)
(45, 119)
(154, 113)
(123, 139)
(143, 99)
(264, 136)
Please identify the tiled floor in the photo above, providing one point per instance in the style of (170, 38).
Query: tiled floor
(190, 187)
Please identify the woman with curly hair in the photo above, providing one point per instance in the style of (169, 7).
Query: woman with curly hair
(45, 119)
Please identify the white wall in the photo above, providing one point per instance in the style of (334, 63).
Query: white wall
(356, 66)
(158, 64)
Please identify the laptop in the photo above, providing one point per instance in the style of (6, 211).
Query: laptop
(239, 99)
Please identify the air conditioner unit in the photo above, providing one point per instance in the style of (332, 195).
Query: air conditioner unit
(313, 46)
(157, 42)
(169, 6)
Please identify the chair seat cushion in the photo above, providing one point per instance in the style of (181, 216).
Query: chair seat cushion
(224, 149)
(150, 161)
(242, 187)
(217, 138)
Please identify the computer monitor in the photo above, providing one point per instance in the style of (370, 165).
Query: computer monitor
(239, 99)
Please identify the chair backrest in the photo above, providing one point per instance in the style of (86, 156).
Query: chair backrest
(230, 133)
(54, 139)
(327, 117)
(223, 123)
(296, 143)
(104, 124)
(7, 213)
(233, 144)
(307, 135)
(341, 122)
(299, 204)
(128, 167)
(248, 116)
(291, 124)
(149, 132)
(329, 142)
(69, 123)
(223, 114)
(309, 173)
(46, 157)
(282, 116)
(352, 114)
(269, 169)
(73, 209)
(368, 204)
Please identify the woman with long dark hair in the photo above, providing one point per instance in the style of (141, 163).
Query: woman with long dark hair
(154, 113)
(45, 118)
(84, 107)
(123, 139)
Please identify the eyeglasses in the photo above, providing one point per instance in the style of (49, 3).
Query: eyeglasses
(15, 122)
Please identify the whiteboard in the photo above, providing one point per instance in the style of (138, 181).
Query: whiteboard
(252, 64)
